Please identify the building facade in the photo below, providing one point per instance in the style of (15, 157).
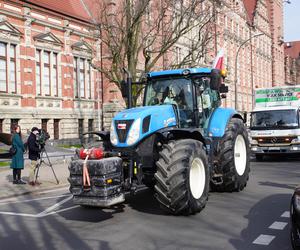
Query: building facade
(292, 63)
(46, 76)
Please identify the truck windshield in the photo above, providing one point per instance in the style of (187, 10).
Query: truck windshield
(274, 119)
(176, 91)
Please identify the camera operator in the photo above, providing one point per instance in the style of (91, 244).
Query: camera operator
(33, 154)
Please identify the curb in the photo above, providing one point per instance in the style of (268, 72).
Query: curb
(26, 192)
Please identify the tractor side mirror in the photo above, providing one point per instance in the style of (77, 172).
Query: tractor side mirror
(215, 79)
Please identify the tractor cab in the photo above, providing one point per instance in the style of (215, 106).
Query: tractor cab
(194, 94)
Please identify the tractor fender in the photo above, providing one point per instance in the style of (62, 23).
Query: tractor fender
(173, 133)
(219, 120)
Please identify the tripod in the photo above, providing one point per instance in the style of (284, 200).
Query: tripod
(41, 161)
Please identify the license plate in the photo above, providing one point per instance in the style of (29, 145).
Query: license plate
(274, 148)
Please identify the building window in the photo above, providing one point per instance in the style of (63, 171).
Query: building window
(56, 129)
(46, 73)
(1, 125)
(3, 66)
(12, 69)
(90, 127)
(88, 86)
(54, 74)
(13, 122)
(44, 124)
(178, 55)
(7, 56)
(80, 127)
(38, 72)
(82, 77)
(75, 78)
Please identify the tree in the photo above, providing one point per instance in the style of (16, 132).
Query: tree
(143, 35)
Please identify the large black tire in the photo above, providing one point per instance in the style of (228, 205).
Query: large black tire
(233, 158)
(182, 178)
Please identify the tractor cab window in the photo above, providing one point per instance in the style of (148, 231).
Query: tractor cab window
(174, 91)
(207, 99)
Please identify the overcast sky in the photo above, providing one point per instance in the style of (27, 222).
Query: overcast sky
(292, 21)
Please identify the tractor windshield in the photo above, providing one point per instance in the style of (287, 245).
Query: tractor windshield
(176, 91)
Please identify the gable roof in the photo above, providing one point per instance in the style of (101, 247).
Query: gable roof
(48, 37)
(72, 8)
(5, 26)
(82, 45)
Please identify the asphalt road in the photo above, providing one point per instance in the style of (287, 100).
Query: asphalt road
(256, 218)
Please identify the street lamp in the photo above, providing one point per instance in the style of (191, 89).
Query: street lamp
(235, 67)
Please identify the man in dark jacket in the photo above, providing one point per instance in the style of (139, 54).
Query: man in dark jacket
(33, 154)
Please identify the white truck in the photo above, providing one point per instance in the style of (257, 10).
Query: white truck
(274, 123)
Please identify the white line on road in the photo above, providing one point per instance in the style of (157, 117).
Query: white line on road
(46, 212)
(19, 214)
(263, 239)
(37, 199)
(278, 225)
(49, 209)
(286, 214)
(62, 210)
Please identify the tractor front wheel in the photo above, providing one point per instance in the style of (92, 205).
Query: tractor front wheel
(182, 178)
(233, 157)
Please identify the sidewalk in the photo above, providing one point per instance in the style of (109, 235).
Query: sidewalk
(60, 160)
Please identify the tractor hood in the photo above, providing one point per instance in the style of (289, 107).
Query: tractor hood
(132, 125)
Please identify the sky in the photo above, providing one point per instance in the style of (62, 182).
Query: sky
(291, 21)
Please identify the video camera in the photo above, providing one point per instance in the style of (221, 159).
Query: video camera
(42, 137)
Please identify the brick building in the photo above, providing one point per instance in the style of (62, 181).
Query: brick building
(46, 48)
(292, 62)
(46, 78)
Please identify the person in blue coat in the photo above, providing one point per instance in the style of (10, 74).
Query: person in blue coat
(17, 163)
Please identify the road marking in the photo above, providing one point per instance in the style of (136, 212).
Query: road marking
(62, 210)
(286, 214)
(263, 239)
(19, 214)
(49, 209)
(54, 190)
(278, 225)
(39, 193)
(37, 199)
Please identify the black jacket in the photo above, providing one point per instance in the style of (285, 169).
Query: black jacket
(33, 148)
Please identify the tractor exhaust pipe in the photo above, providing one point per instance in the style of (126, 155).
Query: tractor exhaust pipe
(129, 88)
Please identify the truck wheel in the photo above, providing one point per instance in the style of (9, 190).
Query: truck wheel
(233, 158)
(182, 178)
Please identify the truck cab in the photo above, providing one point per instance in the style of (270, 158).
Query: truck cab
(275, 130)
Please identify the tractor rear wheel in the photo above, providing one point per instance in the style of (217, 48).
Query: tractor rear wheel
(233, 158)
(182, 177)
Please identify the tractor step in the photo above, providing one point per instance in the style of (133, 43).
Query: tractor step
(217, 179)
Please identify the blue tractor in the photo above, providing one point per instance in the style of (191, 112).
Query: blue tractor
(181, 143)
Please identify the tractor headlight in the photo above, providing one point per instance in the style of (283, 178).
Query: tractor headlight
(134, 132)
(113, 135)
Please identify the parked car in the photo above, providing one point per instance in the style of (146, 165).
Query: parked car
(295, 219)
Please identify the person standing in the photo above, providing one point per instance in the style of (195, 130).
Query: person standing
(33, 154)
(17, 163)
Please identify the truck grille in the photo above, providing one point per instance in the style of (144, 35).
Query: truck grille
(122, 128)
(274, 140)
